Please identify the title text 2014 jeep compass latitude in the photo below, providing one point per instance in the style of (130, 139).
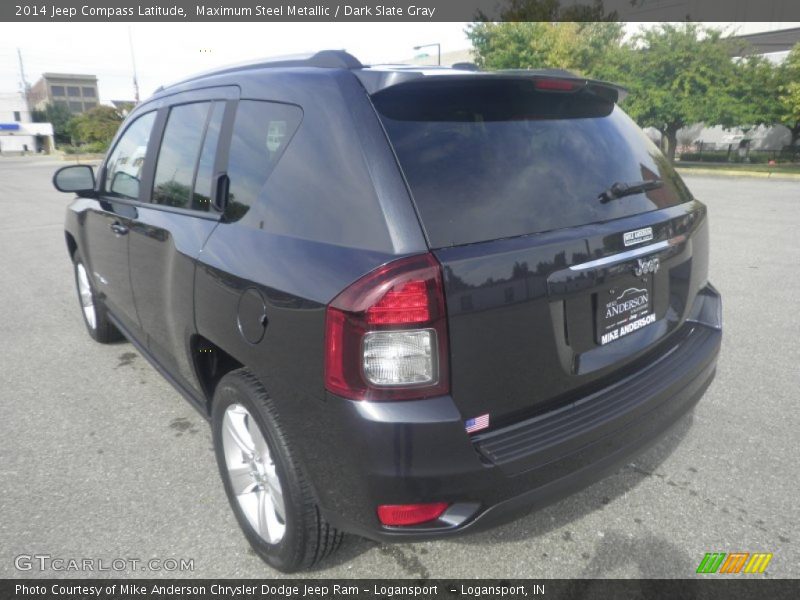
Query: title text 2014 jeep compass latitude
(410, 300)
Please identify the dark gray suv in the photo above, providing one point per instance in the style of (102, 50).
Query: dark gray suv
(410, 300)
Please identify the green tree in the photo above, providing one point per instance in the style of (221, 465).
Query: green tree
(587, 48)
(96, 125)
(551, 10)
(59, 116)
(679, 75)
(789, 93)
(756, 89)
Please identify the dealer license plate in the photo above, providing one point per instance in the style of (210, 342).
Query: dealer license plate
(624, 309)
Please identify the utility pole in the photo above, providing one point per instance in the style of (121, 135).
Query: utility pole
(133, 61)
(26, 89)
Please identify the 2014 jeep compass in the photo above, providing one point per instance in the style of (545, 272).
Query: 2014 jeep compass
(410, 301)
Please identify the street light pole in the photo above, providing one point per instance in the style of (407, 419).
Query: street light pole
(26, 88)
(133, 61)
(438, 51)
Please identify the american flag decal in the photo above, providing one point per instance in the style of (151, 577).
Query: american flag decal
(476, 424)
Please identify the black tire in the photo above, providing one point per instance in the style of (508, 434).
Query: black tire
(102, 330)
(308, 538)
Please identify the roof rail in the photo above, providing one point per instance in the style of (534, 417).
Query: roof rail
(324, 59)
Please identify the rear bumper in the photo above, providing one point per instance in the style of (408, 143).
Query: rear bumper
(407, 452)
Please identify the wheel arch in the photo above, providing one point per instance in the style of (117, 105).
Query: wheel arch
(72, 245)
(211, 363)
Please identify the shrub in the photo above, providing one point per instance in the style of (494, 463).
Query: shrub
(90, 148)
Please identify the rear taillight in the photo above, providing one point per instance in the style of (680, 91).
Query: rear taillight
(386, 334)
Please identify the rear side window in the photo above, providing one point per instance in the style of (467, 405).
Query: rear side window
(177, 158)
(201, 198)
(489, 159)
(124, 166)
(261, 132)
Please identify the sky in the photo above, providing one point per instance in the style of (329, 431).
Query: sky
(168, 52)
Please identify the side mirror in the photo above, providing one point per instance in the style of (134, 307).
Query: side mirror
(75, 178)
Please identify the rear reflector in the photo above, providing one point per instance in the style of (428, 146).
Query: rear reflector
(410, 514)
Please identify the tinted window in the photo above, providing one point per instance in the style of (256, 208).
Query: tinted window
(496, 158)
(88, 92)
(180, 147)
(57, 90)
(260, 135)
(124, 167)
(73, 91)
(201, 198)
(75, 106)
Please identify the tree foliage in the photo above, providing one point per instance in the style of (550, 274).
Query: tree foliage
(582, 47)
(757, 84)
(789, 93)
(59, 116)
(679, 75)
(96, 125)
(551, 10)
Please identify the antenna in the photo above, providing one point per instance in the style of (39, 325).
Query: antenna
(133, 61)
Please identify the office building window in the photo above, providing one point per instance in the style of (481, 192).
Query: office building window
(17, 116)
(88, 92)
(57, 90)
(73, 91)
(89, 105)
(76, 107)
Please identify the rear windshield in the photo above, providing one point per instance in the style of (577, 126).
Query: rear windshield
(495, 158)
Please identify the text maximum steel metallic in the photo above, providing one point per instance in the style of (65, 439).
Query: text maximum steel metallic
(411, 301)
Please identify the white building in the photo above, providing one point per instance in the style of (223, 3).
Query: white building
(18, 134)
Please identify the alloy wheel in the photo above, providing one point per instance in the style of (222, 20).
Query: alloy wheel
(86, 297)
(252, 474)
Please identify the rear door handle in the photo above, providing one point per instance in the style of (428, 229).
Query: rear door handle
(118, 228)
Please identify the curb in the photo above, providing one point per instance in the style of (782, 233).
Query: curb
(82, 157)
(736, 173)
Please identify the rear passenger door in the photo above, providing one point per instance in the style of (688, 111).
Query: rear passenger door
(173, 225)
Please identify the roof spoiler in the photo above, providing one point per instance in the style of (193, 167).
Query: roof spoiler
(551, 80)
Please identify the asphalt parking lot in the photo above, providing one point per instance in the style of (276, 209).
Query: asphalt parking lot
(100, 458)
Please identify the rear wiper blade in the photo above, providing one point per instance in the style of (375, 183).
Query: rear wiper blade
(620, 189)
